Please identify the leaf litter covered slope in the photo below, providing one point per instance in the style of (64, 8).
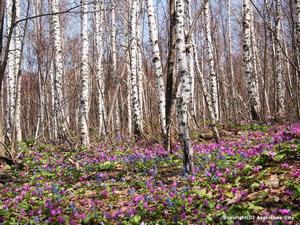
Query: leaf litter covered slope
(254, 174)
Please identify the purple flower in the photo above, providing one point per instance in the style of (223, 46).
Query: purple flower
(82, 216)
(256, 169)
(137, 198)
(61, 220)
(53, 212)
(284, 211)
(285, 166)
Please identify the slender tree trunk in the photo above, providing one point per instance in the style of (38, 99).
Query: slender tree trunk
(99, 68)
(157, 65)
(190, 56)
(58, 71)
(184, 91)
(230, 60)
(134, 73)
(84, 73)
(170, 74)
(278, 61)
(211, 63)
(10, 75)
(129, 94)
(248, 62)
(139, 63)
(116, 120)
(207, 99)
(18, 54)
(296, 41)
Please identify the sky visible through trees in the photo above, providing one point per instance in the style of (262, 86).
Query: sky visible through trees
(149, 111)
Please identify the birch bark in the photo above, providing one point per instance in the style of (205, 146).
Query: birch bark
(211, 63)
(116, 121)
(58, 70)
(248, 62)
(133, 68)
(99, 68)
(10, 75)
(278, 60)
(156, 59)
(84, 73)
(184, 91)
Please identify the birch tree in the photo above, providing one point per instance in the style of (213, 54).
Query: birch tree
(134, 73)
(10, 75)
(211, 63)
(248, 63)
(278, 60)
(58, 70)
(184, 91)
(140, 66)
(17, 88)
(170, 74)
(230, 61)
(156, 59)
(99, 68)
(84, 74)
(116, 121)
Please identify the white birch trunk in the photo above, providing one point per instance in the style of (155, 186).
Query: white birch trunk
(156, 59)
(248, 61)
(116, 120)
(84, 74)
(10, 76)
(278, 60)
(58, 70)
(54, 120)
(134, 73)
(129, 94)
(140, 67)
(231, 69)
(17, 89)
(190, 55)
(207, 99)
(211, 63)
(99, 23)
(185, 88)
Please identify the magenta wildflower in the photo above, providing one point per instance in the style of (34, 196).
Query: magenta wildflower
(256, 169)
(61, 220)
(285, 166)
(284, 211)
(53, 212)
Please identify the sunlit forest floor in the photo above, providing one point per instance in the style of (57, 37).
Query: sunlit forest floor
(250, 177)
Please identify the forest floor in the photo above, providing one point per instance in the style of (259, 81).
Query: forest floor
(249, 178)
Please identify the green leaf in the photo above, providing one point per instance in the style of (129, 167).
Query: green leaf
(280, 157)
(254, 185)
(201, 192)
(137, 219)
(211, 204)
(237, 180)
(255, 208)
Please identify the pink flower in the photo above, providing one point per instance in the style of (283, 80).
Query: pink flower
(61, 220)
(256, 169)
(284, 211)
(285, 166)
(174, 184)
(53, 212)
